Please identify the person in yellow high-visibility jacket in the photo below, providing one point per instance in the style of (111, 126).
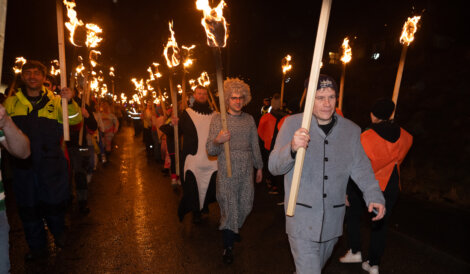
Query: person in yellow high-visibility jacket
(40, 182)
(386, 145)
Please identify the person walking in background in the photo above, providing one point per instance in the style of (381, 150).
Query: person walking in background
(386, 145)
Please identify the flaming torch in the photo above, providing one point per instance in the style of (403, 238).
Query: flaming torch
(312, 88)
(286, 66)
(407, 36)
(111, 73)
(20, 61)
(346, 58)
(204, 81)
(172, 62)
(187, 62)
(63, 74)
(156, 76)
(216, 30)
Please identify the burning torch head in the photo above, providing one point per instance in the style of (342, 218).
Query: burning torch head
(383, 109)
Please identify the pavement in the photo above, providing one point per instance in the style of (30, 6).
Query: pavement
(133, 228)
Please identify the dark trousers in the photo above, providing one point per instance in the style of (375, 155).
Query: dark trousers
(378, 228)
(33, 223)
(80, 162)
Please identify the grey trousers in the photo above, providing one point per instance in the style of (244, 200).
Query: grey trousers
(310, 256)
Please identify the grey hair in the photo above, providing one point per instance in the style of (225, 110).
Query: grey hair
(235, 85)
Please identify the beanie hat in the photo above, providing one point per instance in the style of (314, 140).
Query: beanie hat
(324, 81)
(383, 108)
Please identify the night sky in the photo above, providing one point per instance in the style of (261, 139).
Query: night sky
(261, 34)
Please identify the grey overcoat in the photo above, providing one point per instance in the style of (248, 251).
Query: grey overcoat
(329, 161)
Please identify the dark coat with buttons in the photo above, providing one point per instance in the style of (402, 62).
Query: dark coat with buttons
(329, 161)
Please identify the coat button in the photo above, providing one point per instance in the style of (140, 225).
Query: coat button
(326, 159)
(326, 142)
(324, 195)
(325, 177)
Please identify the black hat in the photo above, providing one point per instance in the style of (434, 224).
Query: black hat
(383, 108)
(324, 81)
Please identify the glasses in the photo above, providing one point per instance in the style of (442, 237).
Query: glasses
(237, 98)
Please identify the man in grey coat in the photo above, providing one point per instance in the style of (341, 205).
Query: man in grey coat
(334, 153)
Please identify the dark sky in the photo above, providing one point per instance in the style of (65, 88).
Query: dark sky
(261, 33)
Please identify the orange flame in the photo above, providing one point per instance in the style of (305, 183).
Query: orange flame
(93, 57)
(149, 69)
(409, 30)
(111, 71)
(188, 61)
(204, 80)
(92, 38)
(214, 23)
(74, 22)
(172, 61)
(347, 52)
(192, 83)
(157, 73)
(20, 61)
(55, 70)
(286, 66)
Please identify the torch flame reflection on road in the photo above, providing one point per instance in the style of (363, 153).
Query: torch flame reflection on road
(347, 52)
(214, 23)
(409, 29)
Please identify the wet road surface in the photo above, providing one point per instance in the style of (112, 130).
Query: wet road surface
(133, 228)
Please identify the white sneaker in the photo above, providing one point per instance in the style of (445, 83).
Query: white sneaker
(350, 257)
(371, 269)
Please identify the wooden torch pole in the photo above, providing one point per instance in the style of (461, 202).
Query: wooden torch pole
(3, 20)
(223, 110)
(282, 88)
(396, 88)
(341, 88)
(312, 88)
(63, 74)
(174, 113)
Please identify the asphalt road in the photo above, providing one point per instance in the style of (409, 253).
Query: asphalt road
(133, 228)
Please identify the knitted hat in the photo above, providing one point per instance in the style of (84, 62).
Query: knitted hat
(324, 81)
(383, 108)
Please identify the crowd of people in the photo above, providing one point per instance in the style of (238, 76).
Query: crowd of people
(344, 170)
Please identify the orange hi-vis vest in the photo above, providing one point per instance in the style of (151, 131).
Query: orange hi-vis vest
(384, 155)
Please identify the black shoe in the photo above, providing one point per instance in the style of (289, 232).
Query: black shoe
(237, 238)
(36, 254)
(228, 256)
